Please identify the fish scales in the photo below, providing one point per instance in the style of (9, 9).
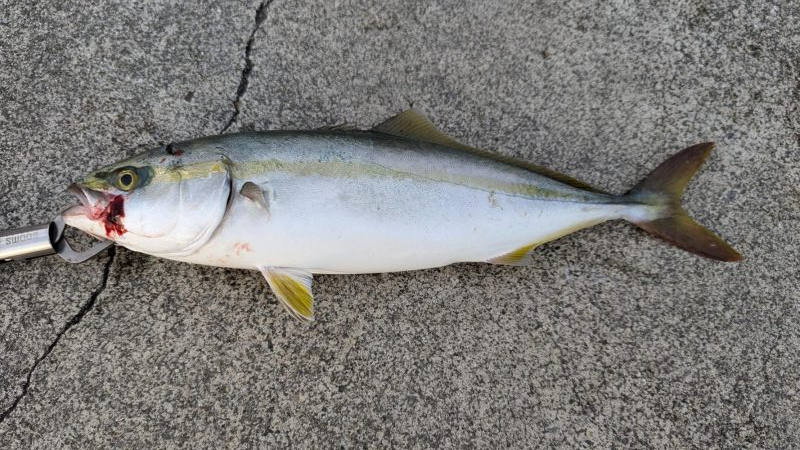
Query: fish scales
(403, 196)
(388, 203)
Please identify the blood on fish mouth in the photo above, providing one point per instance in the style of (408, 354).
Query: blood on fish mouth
(114, 213)
(109, 208)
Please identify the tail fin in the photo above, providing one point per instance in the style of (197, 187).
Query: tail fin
(663, 187)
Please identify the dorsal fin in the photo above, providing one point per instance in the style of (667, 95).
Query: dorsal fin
(412, 124)
(344, 126)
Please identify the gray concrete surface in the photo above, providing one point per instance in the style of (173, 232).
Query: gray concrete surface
(611, 340)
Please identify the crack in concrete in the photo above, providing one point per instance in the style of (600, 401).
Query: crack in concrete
(261, 16)
(75, 320)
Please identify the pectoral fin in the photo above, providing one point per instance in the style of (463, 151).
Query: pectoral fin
(293, 289)
(255, 194)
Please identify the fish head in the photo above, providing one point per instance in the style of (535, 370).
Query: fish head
(162, 202)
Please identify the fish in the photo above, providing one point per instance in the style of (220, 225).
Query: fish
(400, 196)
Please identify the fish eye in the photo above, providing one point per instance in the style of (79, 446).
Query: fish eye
(126, 179)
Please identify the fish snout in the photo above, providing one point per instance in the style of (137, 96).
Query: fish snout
(91, 201)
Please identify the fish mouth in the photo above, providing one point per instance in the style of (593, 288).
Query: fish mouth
(78, 192)
(91, 202)
(106, 210)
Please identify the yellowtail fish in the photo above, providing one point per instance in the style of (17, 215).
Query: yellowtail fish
(401, 196)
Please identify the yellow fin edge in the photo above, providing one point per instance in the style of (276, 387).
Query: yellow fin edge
(518, 257)
(294, 294)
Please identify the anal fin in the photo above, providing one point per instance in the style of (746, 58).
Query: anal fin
(293, 289)
(518, 257)
(522, 256)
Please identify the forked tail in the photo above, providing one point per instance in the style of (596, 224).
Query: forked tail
(663, 188)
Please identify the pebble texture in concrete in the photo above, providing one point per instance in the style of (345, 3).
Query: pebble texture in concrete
(611, 339)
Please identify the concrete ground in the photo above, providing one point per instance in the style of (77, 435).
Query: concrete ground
(612, 339)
